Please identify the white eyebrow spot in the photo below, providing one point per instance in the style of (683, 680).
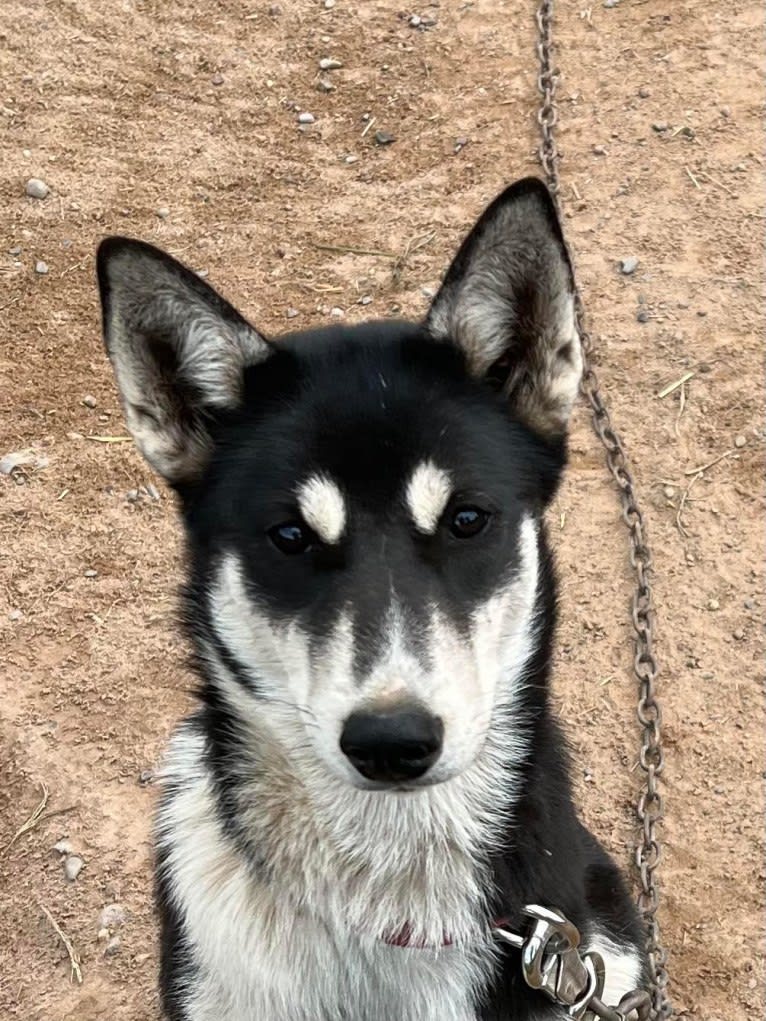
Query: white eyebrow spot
(427, 494)
(322, 507)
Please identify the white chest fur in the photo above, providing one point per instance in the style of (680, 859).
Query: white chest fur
(303, 942)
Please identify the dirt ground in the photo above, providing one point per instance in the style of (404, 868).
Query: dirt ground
(126, 108)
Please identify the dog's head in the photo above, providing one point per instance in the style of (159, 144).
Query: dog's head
(363, 504)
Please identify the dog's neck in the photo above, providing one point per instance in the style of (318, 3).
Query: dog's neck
(375, 861)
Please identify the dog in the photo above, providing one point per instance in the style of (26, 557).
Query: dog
(374, 778)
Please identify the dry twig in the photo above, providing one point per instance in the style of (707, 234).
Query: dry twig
(74, 957)
(32, 821)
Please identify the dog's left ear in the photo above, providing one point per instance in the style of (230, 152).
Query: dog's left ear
(508, 301)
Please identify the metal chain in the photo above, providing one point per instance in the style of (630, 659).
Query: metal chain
(650, 805)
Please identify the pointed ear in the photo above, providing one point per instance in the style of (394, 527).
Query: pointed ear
(178, 349)
(508, 302)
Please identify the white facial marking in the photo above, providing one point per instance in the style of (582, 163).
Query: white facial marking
(323, 507)
(427, 494)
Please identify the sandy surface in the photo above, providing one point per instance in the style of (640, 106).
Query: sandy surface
(115, 106)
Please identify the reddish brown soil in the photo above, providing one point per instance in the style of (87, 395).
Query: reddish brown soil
(116, 106)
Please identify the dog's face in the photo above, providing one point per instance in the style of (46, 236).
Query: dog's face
(362, 503)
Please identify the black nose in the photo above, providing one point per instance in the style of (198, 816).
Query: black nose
(400, 744)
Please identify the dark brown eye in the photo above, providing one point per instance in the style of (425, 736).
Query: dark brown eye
(291, 537)
(468, 521)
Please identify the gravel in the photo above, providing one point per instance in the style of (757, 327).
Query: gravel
(329, 64)
(41, 267)
(642, 315)
(89, 401)
(629, 265)
(306, 118)
(37, 189)
(163, 212)
(740, 441)
(384, 137)
(73, 865)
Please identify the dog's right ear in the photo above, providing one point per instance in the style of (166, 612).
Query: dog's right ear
(179, 351)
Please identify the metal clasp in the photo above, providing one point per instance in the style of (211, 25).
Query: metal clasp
(552, 962)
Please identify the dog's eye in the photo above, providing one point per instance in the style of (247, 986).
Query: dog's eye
(291, 537)
(468, 521)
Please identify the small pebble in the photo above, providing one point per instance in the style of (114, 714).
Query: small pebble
(726, 111)
(145, 777)
(740, 441)
(41, 267)
(102, 935)
(739, 634)
(112, 916)
(599, 150)
(749, 604)
(659, 126)
(323, 85)
(329, 64)
(701, 313)
(306, 118)
(415, 21)
(163, 212)
(15, 615)
(291, 313)
(16, 250)
(704, 367)
(63, 847)
(74, 436)
(151, 491)
(713, 604)
(337, 313)
(26, 153)
(644, 93)
(669, 492)
(37, 189)
(217, 79)
(90, 573)
(132, 496)
(384, 137)
(89, 401)
(642, 315)
(73, 865)
(629, 265)
(112, 947)
(610, 3)
(351, 159)
(366, 300)
(460, 143)
(329, 4)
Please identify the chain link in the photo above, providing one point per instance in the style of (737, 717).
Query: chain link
(650, 804)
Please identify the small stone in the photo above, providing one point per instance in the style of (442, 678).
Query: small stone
(415, 21)
(740, 441)
(113, 947)
(323, 85)
(384, 137)
(74, 436)
(739, 634)
(629, 265)
(102, 935)
(90, 573)
(275, 11)
(151, 491)
(704, 367)
(63, 847)
(145, 777)
(217, 79)
(713, 604)
(16, 250)
(163, 212)
(701, 312)
(610, 3)
(132, 496)
(15, 615)
(291, 313)
(669, 492)
(642, 315)
(41, 267)
(726, 111)
(460, 143)
(351, 159)
(37, 189)
(660, 126)
(644, 92)
(306, 118)
(112, 916)
(366, 300)
(687, 132)
(73, 866)
(89, 401)
(599, 150)
(749, 604)
(26, 153)
(337, 313)
(329, 4)
(329, 64)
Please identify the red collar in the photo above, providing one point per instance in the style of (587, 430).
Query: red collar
(403, 937)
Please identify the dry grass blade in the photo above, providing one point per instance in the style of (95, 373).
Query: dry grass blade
(74, 957)
(704, 467)
(682, 504)
(110, 439)
(32, 821)
(674, 386)
(350, 250)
